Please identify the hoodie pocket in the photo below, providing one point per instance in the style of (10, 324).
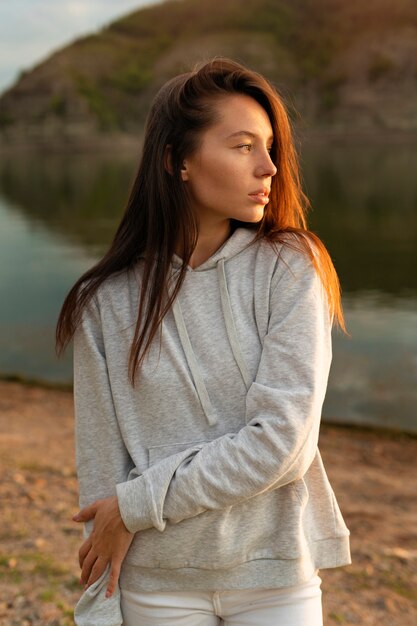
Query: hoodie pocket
(266, 526)
(157, 453)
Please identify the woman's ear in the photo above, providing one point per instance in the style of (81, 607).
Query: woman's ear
(168, 163)
(184, 171)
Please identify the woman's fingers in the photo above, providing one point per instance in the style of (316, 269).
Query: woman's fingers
(84, 550)
(114, 577)
(87, 513)
(108, 542)
(97, 570)
(88, 565)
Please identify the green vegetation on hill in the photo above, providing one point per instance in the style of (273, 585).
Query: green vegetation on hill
(333, 61)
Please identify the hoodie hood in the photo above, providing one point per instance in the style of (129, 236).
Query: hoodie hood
(236, 243)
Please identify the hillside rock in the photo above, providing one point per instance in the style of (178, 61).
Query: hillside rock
(342, 69)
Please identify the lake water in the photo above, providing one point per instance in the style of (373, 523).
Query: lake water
(59, 212)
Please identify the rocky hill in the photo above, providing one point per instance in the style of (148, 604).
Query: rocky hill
(343, 68)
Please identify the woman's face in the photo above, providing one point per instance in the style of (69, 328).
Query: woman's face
(229, 176)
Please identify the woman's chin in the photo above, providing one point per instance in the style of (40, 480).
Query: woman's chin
(252, 216)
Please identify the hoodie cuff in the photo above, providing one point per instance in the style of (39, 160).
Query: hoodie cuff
(133, 502)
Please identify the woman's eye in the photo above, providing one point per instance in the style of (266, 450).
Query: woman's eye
(246, 145)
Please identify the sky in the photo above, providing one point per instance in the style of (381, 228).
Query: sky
(30, 30)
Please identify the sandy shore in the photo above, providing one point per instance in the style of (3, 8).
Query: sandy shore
(373, 475)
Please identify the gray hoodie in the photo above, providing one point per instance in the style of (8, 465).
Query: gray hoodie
(213, 454)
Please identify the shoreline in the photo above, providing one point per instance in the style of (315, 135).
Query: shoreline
(384, 431)
(132, 142)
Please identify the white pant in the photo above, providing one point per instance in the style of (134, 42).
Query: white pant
(299, 605)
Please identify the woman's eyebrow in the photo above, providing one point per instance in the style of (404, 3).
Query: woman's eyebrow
(247, 133)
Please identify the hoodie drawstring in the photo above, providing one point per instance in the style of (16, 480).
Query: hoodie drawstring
(209, 410)
(230, 325)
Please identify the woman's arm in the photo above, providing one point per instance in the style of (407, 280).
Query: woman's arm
(283, 412)
(102, 461)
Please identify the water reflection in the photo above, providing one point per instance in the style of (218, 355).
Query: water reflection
(79, 197)
(59, 213)
(373, 377)
(365, 210)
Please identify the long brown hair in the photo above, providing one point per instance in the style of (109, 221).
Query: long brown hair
(158, 214)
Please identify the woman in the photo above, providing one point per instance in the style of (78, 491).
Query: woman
(202, 348)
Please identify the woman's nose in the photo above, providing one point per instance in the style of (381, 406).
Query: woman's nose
(266, 167)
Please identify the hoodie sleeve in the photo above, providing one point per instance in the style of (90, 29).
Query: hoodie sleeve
(283, 412)
(101, 457)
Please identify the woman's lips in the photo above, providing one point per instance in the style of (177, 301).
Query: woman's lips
(259, 198)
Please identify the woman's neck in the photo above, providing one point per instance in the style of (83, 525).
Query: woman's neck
(208, 242)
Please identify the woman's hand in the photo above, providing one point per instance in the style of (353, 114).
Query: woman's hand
(108, 542)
